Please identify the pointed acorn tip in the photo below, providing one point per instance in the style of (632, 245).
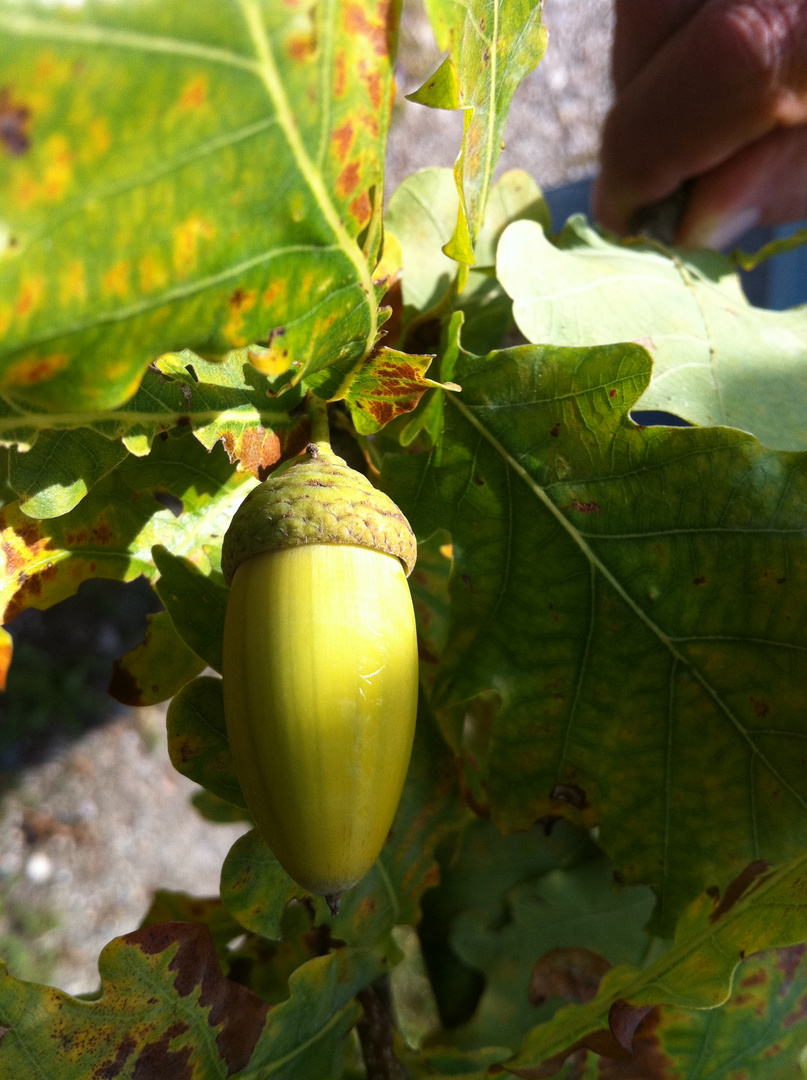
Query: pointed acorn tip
(332, 900)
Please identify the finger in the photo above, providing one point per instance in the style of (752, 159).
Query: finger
(733, 73)
(765, 183)
(641, 30)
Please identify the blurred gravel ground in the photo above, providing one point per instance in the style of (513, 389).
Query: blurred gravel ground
(87, 836)
(86, 839)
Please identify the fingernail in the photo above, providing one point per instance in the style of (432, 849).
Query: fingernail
(722, 233)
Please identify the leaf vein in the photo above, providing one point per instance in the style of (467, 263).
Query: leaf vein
(579, 539)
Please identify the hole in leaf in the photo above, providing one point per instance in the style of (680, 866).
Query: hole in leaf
(658, 419)
(169, 501)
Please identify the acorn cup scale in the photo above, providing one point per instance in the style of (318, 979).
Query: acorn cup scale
(320, 666)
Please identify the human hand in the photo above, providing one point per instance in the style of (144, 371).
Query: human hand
(714, 90)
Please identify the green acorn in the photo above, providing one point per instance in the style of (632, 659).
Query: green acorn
(320, 666)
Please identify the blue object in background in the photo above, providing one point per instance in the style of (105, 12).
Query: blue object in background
(787, 273)
(779, 283)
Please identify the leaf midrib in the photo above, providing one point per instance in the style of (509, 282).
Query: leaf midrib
(274, 87)
(91, 34)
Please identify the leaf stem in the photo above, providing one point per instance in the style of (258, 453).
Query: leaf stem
(318, 415)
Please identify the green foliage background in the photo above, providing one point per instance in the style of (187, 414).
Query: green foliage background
(602, 837)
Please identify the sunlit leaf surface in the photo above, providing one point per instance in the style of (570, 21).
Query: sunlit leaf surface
(186, 174)
(717, 359)
(113, 529)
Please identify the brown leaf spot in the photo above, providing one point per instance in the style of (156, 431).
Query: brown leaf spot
(361, 209)
(347, 179)
(760, 707)
(624, 1019)
(358, 25)
(101, 532)
(156, 1062)
(788, 963)
(367, 907)
(555, 431)
(300, 47)
(115, 282)
(32, 290)
(572, 973)
(425, 652)
(257, 450)
(14, 123)
(369, 122)
(569, 793)
(194, 93)
(587, 507)
(612, 393)
(373, 81)
(649, 1062)
(381, 411)
(275, 291)
(799, 1013)
(478, 480)
(342, 140)
(109, 1070)
(34, 369)
(184, 749)
(28, 592)
(339, 75)
(123, 686)
(237, 1013)
(757, 978)
(739, 887)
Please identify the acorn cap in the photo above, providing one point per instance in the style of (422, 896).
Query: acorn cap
(318, 501)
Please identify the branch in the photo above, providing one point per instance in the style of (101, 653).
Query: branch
(375, 1035)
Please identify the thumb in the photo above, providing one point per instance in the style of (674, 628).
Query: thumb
(765, 183)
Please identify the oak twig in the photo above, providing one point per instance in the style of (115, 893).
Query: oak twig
(375, 1035)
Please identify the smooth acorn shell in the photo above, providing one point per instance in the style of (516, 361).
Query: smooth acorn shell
(320, 694)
